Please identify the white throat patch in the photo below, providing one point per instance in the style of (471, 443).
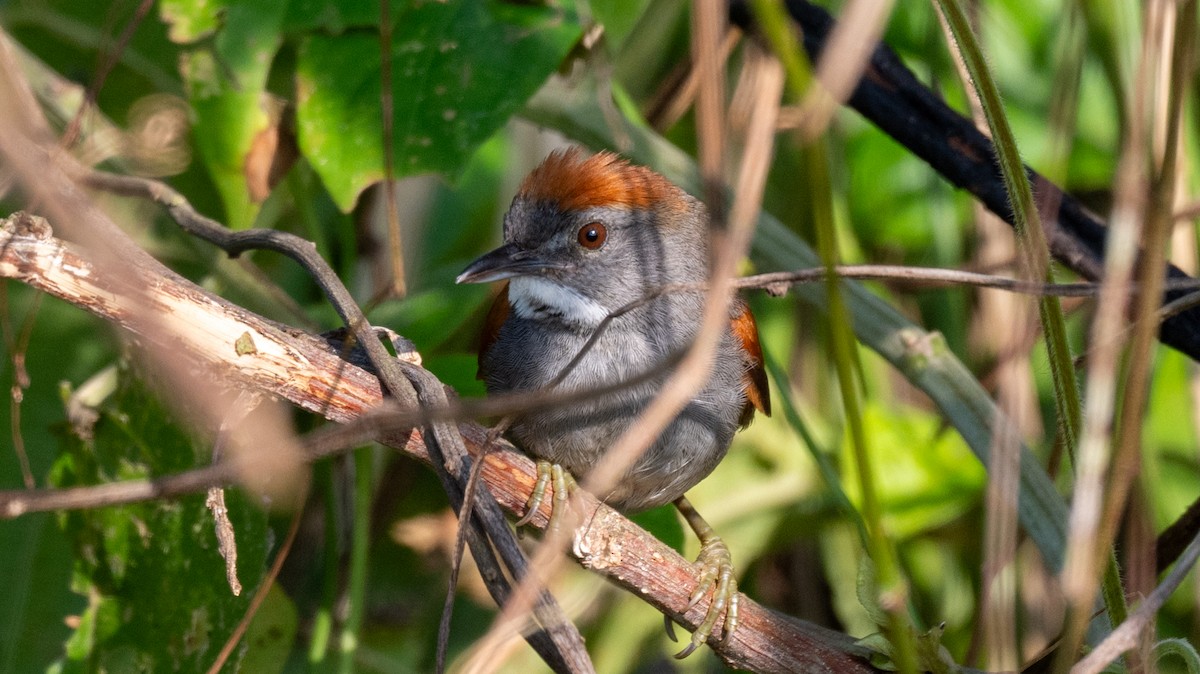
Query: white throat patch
(533, 297)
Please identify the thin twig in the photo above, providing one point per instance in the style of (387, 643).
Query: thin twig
(1126, 635)
(396, 286)
(226, 536)
(106, 65)
(939, 278)
(558, 641)
(488, 445)
(18, 347)
(260, 594)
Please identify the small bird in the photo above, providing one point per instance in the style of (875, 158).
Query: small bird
(583, 238)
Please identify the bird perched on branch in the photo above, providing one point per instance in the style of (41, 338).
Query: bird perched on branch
(584, 239)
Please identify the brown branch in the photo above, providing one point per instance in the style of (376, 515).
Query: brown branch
(304, 370)
(560, 645)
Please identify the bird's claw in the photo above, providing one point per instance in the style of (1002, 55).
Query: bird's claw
(564, 484)
(716, 573)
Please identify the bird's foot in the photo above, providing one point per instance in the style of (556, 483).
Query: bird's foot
(715, 565)
(716, 573)
(547, 474)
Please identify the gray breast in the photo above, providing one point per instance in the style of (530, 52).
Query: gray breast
(527, 355)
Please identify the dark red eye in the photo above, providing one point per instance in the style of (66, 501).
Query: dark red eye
(592, 235)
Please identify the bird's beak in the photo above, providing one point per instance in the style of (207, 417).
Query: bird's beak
(506, 261)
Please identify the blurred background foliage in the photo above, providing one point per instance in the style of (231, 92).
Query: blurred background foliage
(269, 114)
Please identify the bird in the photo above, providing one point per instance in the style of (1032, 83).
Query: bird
(595, 237)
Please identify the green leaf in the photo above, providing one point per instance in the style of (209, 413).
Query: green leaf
(335, 16)
(37, 597)
(881, 651)
(459, 70)
(933, 656)
(190, 20)
(1181, 649)
(867, 590)
(226, 84)
(270, 635)
(158, 599)
(619, 18)
(932, 477)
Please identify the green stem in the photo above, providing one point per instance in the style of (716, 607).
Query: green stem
(1025, 218)
(1037, 257)
(829, 473)
(893, 592)
(359, 548)
(322, 630)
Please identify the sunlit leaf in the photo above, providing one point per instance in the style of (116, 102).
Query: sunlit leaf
(226, 81)
(928, 475)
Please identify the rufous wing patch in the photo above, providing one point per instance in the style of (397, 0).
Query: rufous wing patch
(576, 182)
(496, 317)
(745, 330)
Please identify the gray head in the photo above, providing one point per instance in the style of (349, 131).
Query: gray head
(588, 235)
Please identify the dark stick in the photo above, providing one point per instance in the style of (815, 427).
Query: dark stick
(450, 460)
